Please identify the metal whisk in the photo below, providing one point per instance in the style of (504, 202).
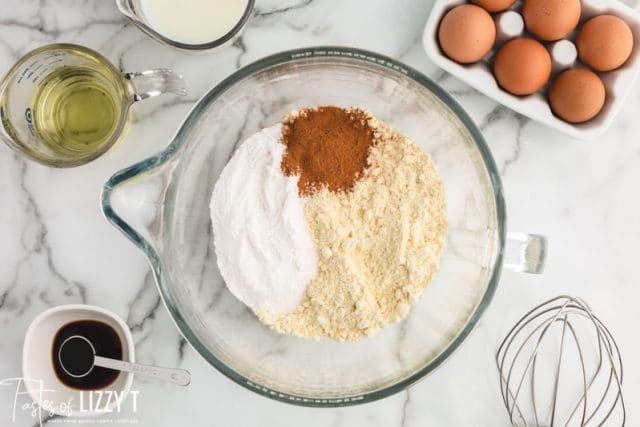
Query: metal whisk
(560, 366)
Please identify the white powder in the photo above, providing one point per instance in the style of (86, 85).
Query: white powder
(265, 251)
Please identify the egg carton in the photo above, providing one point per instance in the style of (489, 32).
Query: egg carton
(509, 24)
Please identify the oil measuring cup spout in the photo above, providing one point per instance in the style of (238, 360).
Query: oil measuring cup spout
(64, 105)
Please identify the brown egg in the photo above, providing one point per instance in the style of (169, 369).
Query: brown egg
(522, 66)
(494, 5)
(467, 33)
(577, 95)
(551, 19)
(605, 42)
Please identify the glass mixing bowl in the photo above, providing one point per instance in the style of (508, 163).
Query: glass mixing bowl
(162, 205)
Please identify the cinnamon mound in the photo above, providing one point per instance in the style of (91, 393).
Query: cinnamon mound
(327, 147)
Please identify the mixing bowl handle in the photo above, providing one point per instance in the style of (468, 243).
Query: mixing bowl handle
(525, 252)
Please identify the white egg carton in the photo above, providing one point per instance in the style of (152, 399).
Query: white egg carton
(479, 75)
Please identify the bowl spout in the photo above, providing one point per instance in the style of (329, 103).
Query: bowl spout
(132, 201)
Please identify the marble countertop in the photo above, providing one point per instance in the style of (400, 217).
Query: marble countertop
(56, 247)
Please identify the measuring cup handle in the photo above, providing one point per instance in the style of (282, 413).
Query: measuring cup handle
(525, 252)
(151, 83)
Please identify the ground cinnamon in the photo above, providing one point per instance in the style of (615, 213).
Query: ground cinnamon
(326, 147)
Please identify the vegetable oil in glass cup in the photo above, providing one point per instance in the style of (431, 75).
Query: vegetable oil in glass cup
(64, 105)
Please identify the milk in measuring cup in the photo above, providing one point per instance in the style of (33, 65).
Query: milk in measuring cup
(193, 21)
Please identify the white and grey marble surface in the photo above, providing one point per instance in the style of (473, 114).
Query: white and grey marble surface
(57, 248)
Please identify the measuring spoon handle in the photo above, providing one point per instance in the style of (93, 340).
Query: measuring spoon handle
(176, 376)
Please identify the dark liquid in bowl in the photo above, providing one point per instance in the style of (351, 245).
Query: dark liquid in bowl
(106, 342)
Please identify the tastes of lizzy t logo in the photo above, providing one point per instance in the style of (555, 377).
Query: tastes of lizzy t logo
(85, 402)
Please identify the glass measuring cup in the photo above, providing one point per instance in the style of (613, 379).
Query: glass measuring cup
(132, 9)
(64, 105)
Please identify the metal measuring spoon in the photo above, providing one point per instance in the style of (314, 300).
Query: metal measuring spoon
(85, 358)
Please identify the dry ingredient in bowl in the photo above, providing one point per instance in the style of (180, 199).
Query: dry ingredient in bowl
(265, 252)
(326, 147)
(379, 244)
(375, 212)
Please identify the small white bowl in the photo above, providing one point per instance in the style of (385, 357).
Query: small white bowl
(37, 363)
